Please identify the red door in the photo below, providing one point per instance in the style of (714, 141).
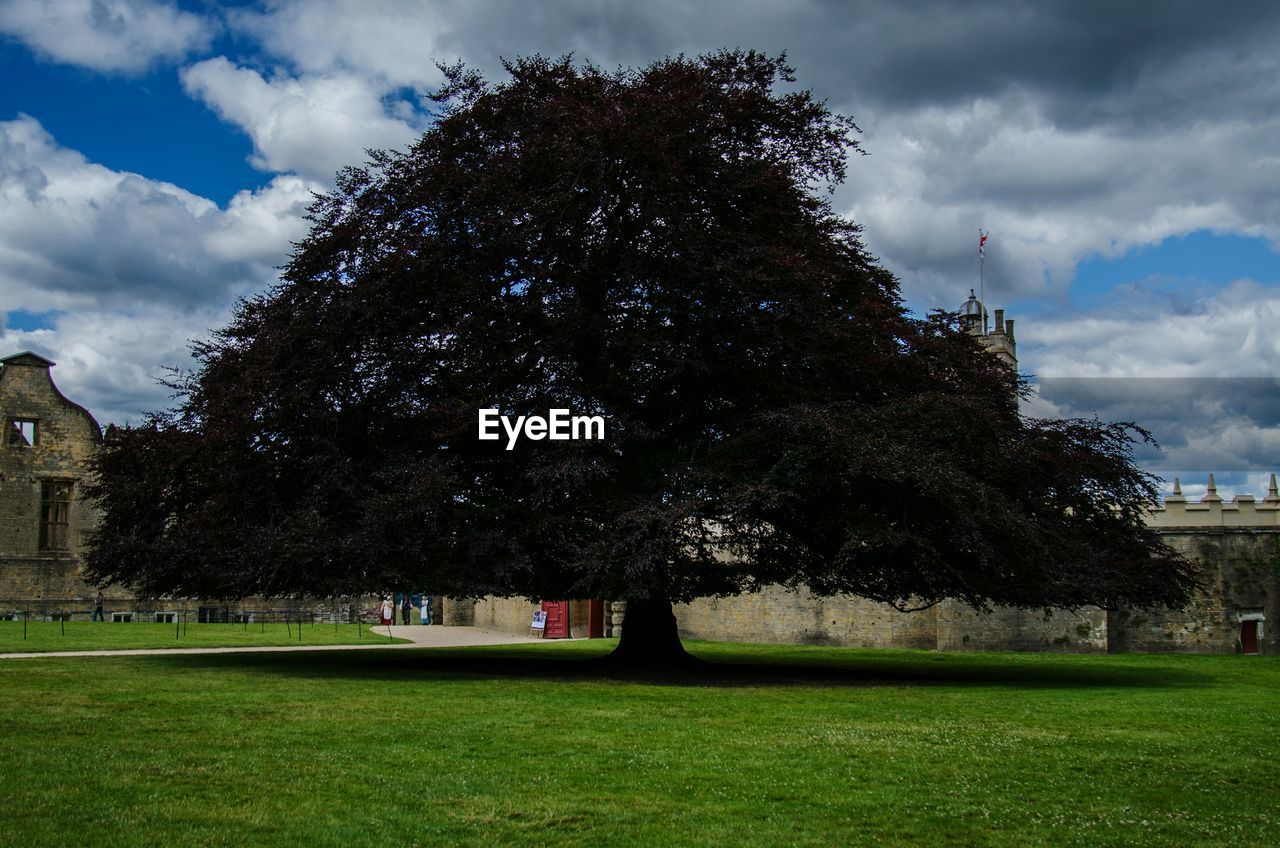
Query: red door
(1249, 636)
(557, 619)
(595, 619)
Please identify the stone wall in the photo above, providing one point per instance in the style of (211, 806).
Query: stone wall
(67, 437)
(36, 578)
(456, 612)
(509, 615)
(776, 614)
(962, 628)
(1240, 573)
(615, 612)
(1236, 544)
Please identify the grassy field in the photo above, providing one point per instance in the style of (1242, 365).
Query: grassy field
(530, 745)
(103, 636)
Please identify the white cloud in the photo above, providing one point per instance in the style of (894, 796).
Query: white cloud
(1201, 377)
(1157, 133)
(1228, 334)
(111, 361)
(71, 230)
(106, 35)
(1051, 196)
(399, 43)
(388, 40)
(76, 234)
(132, 268)
(312, 126)
(260, 225)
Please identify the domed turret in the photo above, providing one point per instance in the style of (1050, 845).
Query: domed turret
(973, 315)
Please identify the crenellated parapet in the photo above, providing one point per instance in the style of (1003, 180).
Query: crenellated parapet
(1243, 511)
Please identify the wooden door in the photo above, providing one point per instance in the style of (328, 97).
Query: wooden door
(1249, 636)
(595, 619)
(557, 619)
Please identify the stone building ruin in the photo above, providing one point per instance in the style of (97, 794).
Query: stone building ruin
(45, 519)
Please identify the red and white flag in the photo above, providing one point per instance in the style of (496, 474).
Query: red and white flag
(982, 243)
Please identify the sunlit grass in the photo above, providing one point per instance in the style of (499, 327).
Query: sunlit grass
(99, 636)
(529, 744)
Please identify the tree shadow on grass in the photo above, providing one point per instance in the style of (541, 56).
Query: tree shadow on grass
(724, 670)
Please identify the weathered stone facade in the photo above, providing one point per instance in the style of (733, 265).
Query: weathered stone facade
(962, 628)
(1241, 584)
(775, 614)
(1237, 546)
(778, 615)
(45, 518)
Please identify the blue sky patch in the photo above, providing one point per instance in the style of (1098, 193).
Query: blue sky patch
(147, 124)
(1202, 258)
(27, 322)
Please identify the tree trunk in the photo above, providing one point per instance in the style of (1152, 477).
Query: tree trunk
(649, 635)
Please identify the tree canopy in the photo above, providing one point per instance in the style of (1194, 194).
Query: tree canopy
(657, 247)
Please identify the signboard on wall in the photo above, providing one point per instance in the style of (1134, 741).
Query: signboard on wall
(539, 620)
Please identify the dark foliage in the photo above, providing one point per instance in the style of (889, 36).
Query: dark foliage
(654, 246)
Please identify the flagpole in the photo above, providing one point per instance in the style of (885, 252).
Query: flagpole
(982, 277)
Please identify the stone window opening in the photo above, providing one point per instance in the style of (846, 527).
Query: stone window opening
(22, 432)
(55, 514)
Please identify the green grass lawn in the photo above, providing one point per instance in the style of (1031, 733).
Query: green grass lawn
(529, 745)
(106, 636)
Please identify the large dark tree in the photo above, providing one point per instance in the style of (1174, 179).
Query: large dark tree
(656, 247)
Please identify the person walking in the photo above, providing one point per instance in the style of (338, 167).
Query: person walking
(405, 608)
(388, 613)
(98, 614)
(425, 609)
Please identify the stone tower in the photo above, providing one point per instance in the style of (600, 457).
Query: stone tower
(996, 337)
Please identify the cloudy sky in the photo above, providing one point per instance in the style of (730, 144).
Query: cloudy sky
(156, 159)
